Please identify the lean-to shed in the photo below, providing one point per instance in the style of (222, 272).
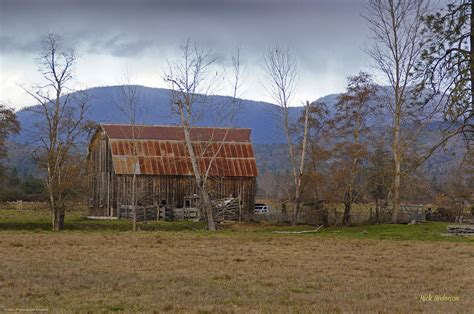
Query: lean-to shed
(159, 158)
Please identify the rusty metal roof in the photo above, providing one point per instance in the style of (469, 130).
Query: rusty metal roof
(161, 150)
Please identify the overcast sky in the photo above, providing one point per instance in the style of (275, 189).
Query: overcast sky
(327, 36)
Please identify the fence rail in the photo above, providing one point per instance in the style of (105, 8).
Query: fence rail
(22, 205)
(144, 213)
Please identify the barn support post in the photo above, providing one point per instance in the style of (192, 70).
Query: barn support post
(109, 213)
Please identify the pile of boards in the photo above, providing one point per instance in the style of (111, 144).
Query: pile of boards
(227, 209)
(461, 230)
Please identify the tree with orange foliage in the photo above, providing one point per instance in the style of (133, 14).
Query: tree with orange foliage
(353, 109)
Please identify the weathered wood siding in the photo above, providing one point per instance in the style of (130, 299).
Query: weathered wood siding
(101, 177)
(171, 190)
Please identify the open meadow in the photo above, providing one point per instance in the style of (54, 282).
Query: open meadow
(179, 267)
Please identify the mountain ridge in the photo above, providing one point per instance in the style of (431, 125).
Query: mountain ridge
(262, 117)
(155, 105)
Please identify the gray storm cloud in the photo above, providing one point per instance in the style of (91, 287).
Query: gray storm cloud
(126, 27)
(327, 36)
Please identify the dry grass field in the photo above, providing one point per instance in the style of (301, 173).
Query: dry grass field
(236, 270)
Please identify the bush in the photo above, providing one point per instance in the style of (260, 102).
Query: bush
(9, 195)
(31, 189)
(33, 186)
(445, 214)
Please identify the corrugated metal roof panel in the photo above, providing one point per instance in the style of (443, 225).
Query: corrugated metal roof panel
(171, 157)
(169, 166)
(161, 167)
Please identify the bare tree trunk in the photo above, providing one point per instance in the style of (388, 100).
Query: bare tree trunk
(471, 57)
(396, 188)
(134, 202)
(297, 204)
(207, 204)
(349, 195)
(58, 214)
(51, 199)
(397, 163)
(377, 210)
(58, 219)
(203, 192)
(61, 219)
(347, 207)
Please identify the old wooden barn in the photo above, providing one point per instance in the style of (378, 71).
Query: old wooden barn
(160, 160)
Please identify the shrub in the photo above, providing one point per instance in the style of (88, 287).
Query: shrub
(445, 214)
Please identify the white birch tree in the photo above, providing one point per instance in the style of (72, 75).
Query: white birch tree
(192, 77)
(396, 27)
(128, 103)
(281, 71)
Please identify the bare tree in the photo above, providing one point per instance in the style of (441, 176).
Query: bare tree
(191, 79)
(282, 75)
(396, 29)
(60, 126)
(128, 103)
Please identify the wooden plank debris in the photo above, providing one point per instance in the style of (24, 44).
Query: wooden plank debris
(299, 232)
(461, 230)
(227, 209)
(101, 218)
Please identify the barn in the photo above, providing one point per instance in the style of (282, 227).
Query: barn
(158, 157)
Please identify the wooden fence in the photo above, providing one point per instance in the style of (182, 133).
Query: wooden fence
(173, 214)
(223, 209)
(144, 213)
(39, 206)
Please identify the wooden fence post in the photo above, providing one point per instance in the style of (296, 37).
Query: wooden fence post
(240, 209)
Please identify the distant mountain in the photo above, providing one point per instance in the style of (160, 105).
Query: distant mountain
(261, 117)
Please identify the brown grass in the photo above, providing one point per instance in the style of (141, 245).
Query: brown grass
(230, 272)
